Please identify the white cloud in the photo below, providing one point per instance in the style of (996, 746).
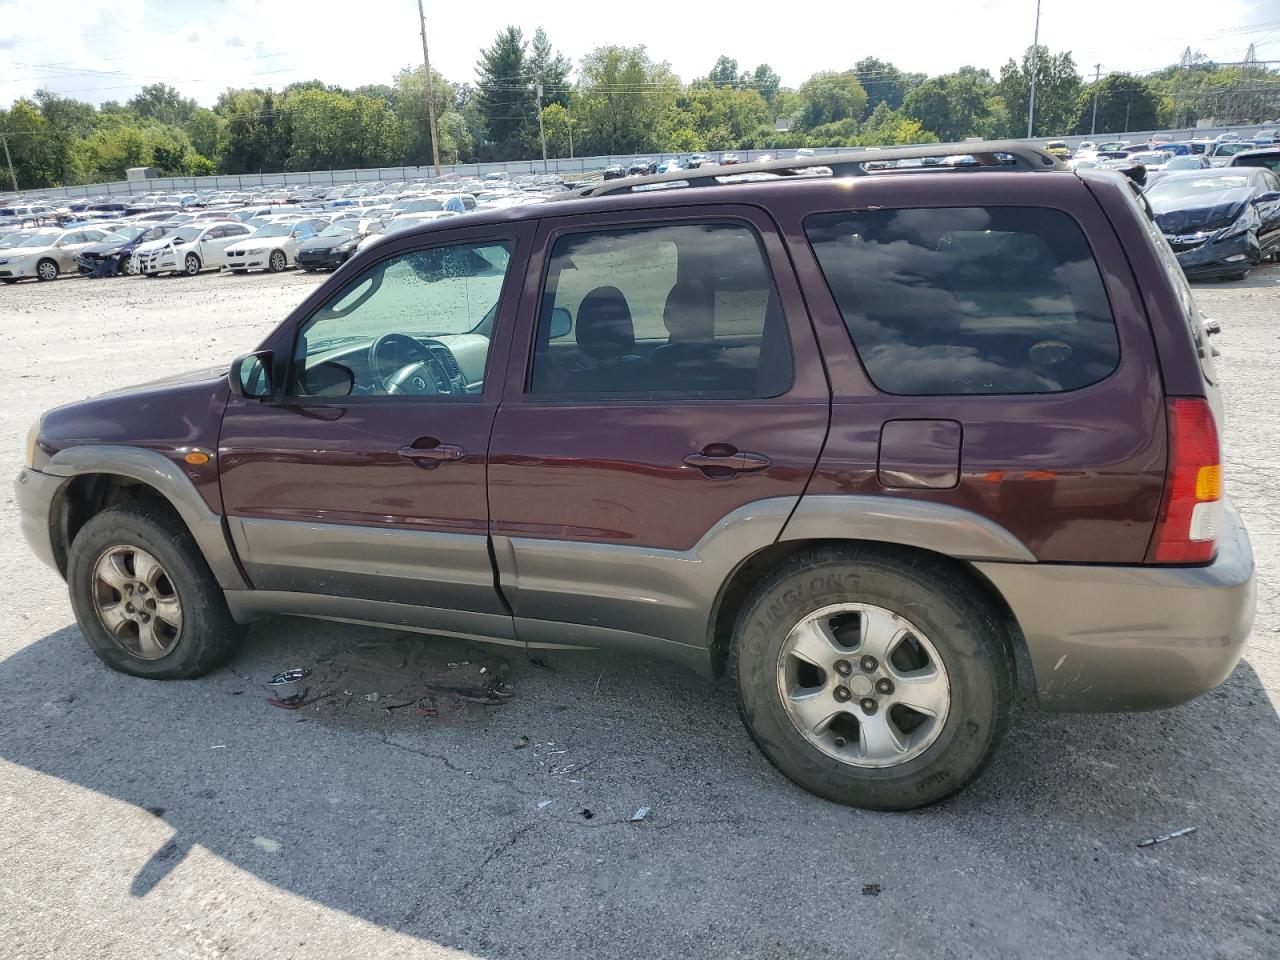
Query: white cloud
(202, 48)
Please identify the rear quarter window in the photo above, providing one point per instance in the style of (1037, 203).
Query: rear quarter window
(968, 300)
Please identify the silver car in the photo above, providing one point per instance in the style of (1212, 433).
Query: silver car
(47, 253)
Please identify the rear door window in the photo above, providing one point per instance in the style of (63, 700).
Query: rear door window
(968, 300)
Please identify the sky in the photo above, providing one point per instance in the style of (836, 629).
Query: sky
(105, 51)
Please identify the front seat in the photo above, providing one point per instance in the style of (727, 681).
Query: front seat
(688, 360)
(607, 335)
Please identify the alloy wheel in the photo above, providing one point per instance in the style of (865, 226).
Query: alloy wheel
(136, 602)
(47, 270)
(863, 684)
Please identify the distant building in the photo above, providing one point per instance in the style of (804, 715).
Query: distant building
(140, 173)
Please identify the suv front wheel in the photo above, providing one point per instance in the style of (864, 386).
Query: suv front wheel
(878, 679)
(144, 597)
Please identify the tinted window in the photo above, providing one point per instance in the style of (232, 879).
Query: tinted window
(685, 309)
(969, 300)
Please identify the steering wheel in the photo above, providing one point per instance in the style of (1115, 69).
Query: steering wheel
(404, 352)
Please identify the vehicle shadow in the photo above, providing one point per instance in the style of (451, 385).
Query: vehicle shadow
(436, 826)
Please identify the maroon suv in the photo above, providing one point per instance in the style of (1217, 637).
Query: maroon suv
(858, 437)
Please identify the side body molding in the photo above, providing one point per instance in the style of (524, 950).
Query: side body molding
(158, 471)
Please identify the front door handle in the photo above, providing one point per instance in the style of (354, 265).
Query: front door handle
(433, 456)
(724, 461)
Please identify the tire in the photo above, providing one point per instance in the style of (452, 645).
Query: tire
(932, 619)
(47, 270)
(191, 265)
(127, 268)
(277, 262)
(206, 636)
(9, 279)
(1237, 276)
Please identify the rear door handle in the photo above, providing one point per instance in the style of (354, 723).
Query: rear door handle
(430, 457)
(723, 463)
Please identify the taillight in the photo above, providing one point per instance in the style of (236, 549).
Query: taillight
(1187, 526)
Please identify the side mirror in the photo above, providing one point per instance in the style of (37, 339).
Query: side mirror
(250, 376)
(561, 322)
(1212, 328)
(328, 380)
(1269, 197)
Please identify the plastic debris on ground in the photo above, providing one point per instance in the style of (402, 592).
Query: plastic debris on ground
(871, 889)
(1167, 836)
(639, 815)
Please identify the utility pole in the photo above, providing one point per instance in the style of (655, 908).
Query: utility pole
(569, 117)
(4, 138)
(541, 133)
(1097, 75)
(431, 102)
(1035, 54)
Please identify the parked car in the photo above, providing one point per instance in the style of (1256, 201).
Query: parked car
(975, 423)
(1224, 151)
(1266, 137)
(1220, 222)
(114, 253)
(45, 254)
(334, 245)
(191, 248)
(614, 171)
(697, 160)
(640, 166)
(729, 158)
(1059, 149)
(804, 153)
(671, 165)
(273, 247)
(1268, 157)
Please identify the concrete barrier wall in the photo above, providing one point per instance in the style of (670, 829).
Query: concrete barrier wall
(563, 165)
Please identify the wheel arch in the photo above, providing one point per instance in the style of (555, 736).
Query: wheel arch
(752, 570)
(99, 477)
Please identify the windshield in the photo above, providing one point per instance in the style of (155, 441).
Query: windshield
(187, 234)
(1170, 188)
(123, 235)
(1185, 163)
(45, 239)
(339, 229)
(418, 206)
(275, 230)
(1148, 159)
(1231, 149)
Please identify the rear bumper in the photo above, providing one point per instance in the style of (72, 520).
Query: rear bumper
(1132, 638)
(322, 260)
(35, 492)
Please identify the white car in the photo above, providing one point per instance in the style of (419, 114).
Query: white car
(189, 249)
(405, 222)
(273, 247)
(44, 254)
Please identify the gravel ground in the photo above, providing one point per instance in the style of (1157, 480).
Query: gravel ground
(192, 819)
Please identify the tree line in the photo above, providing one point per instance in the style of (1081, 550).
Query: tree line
(622, 101)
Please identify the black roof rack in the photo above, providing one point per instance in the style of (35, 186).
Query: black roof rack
(1008, 155)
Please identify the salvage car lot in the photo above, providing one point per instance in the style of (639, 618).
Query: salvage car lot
(194, 819)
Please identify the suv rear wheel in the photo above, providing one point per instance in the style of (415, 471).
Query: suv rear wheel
(877, 679)
(144, 596)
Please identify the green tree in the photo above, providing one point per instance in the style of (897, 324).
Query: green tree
(163, 103)
(36, 162)
(257, 132)
(410, 105)
(555, 121)
(1057, 90)
(625, 103)
(549, 68)
(204, 128)
(724, 73)
(884, 83)
(1125, 102)
(765, 82)
(723, 117)
(505, 96)
(829, 97)
(953, 106)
